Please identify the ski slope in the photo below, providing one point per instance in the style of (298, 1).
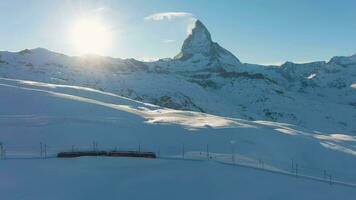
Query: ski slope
(61, 116)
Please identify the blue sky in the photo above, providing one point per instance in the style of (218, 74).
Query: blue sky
(256, 31)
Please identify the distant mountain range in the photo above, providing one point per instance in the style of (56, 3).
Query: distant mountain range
(205, 77)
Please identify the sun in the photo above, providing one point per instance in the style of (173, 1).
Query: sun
(90, 36)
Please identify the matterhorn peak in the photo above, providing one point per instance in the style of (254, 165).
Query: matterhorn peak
(199, 42)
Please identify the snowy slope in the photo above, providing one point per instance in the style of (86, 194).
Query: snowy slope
(62, 116)
(102, 178)
(33, 112)
(206, 77)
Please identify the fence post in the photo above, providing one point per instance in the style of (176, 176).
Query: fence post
(1, 150)
(2, 153)
(233, 155)
(330, 180)
(296, 170)
(41, 150)
(260, 161)
(207, 151)
(183, 151)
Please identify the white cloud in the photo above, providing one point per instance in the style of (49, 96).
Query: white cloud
(167, 15)
(173, 15)
(191, 25)
(169, 41)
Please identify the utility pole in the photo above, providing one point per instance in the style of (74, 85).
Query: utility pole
(2, 153)
(41, 150)
(296, 170)
(233, 154)
(232, 142)
(207, 151)
(183, 151)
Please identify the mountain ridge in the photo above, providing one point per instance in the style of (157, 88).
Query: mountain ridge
(317, 95)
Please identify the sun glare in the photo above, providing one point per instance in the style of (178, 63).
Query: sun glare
(90, 36)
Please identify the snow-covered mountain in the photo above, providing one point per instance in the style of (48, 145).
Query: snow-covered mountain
(199, 46)
(62, 115)
(206, 77)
